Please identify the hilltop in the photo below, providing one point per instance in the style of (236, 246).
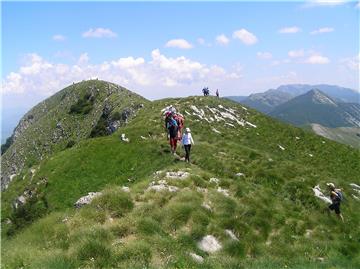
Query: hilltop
(82, 110)
(246, 201)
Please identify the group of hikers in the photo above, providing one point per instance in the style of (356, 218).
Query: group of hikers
(174, 124)
(206, 92)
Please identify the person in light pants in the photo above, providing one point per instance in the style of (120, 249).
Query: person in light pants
(187, 141)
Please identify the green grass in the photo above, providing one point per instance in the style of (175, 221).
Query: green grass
(271, 209)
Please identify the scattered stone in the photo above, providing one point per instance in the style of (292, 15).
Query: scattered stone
(206, 205)
(163, 187)
(223, 191)
(240, 175)
(85, 200)
(281, 147)
(209, 244)
(125, 189)
(124, 138)
(297, 138)
(143, 138)
(231, 125)
(202, 190)
(216, 131)
(177, 175)
(196, 257)
(231, 234)
(250, 124)
(214, 180)
(311, 155)
(318, 193)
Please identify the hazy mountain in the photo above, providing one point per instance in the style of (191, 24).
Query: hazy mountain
(267, 101)
(316, 107)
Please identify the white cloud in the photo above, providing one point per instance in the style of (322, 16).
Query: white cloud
(245, 36)
(352, 63)
(322, 30)
(99, 33)
(296, 53)
(290, 30)
(178, 43)
(264, 55)
(38, 77)
(317, 59)
(58, 37)
(324, 3)
(222, 40)
(201, 41)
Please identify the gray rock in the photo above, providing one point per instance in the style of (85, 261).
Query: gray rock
(209, 244)
(85, 200)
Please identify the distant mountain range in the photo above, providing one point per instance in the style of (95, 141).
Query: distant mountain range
(267, 101)
(316, 107)
(326, 106)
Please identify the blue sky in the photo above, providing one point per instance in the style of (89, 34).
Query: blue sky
(164, 49)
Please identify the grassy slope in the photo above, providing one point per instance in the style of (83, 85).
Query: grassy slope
(272, 209)
(345, 135)
(42, 138)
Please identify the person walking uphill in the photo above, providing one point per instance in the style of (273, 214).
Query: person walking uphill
(187, 141)
(172, 127)
(336, 198)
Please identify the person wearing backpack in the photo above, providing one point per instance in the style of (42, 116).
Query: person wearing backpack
(336, 197)
(187, 141)
(172, 127)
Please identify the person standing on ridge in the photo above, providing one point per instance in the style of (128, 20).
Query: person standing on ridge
(187, 141)
(336, 198)
(217, 93)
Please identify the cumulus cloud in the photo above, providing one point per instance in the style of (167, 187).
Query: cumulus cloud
(40, 77)
(317, 59)
(324, 3)
(296, 53)
(264, 55)
(289, 30)
(352, 63)
(178, 43)
(222, 40)
(245, 37)
(322, 30)
(99, 33)
(58, 37)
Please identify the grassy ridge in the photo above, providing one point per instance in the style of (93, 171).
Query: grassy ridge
(271, 209)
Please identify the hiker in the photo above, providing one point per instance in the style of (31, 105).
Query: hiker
(187, 141)
(336, 198)
(217, 93)
(172, 128)
(180, 121)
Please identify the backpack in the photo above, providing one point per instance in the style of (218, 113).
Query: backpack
(340, 196)
(172, 123)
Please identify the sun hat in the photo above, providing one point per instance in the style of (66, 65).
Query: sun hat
(331, 185)
(188, 130)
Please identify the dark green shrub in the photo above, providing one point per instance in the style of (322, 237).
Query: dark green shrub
(70, 144)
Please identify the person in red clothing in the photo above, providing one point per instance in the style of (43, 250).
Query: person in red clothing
(172, 128)
(180, 121)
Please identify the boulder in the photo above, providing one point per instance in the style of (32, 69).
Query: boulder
(85, 200)
(209, 244)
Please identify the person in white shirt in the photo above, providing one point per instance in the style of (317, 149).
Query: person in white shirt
(187, 141)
